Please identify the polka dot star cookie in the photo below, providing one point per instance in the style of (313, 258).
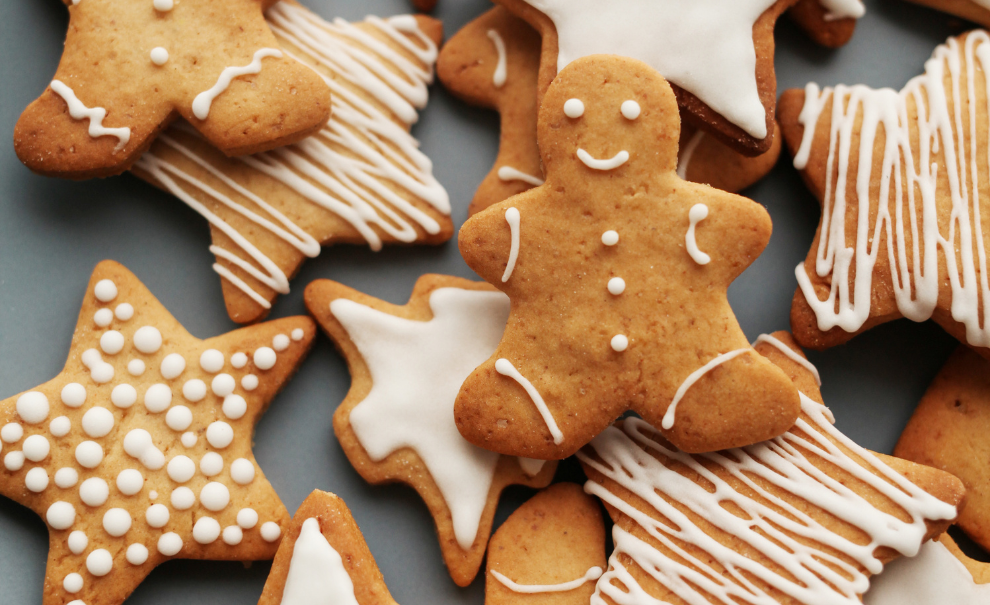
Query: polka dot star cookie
(140, 449)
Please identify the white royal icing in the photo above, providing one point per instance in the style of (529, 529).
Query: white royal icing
(684, 160)
(790, 353)
(697, 214)
(505, 368)
(842, 9)
(607, 164)
(316, 571)
(693, 377)
(498, 78)
(933, 577)
(95, 115)
(508, 173)
(512, 218)
(590, 576)
(204, 100)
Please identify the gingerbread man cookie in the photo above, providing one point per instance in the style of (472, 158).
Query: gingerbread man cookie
(139, 451)
(894, 201)
(397, 423)
(617, 270)
(131, 67)
(937, 575)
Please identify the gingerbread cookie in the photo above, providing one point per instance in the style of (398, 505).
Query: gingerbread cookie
(130, 68)
(804, 518)
(550, 551)
(617, 270)
(977, 11)
(139, 451)
(361, 179)
(396, 423)
(894, 201)
(939, 574)
(494, 62)
(830, 23)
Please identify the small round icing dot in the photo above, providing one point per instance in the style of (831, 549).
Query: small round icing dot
(32, 407)
(264, 358)
(206, 530)
(214, 496)
(157, 515)
(116, 522)
(152, 495)
(94, 491)
(169, 544)
(97, 421)
(123, 396)
(173, 365)
(247, 518)
(100, 371)
(163, 5)
(60, 426)
(188, 439)
(610, 238)
(61, 515)
(13, 461)
(124, 311)
(66, 477)
(135, 367)
(130, 481)
(194, 390)
(159, 56)
(182, 498)
(219, 434)
(105, 290)
(181, 469)
(223, 385)
(136, 442)
(249, 382)
(147, 340)
(573, 108)
(234, 406)
(99, 562)
(620, 343)
(630, 109)
(238, 360)
(89, 454)
(36, 480)
(178, 418)
(616, 286)
(157, 398)
(36, 448)
(297, 334)
(211, 361)
(11, 432)
(211, 464)
(72, 583)
(77, 542)
(112, 342)
(270, 531)
(232, 535)
(242, 471)
(137, 554)
(103, 317)
(280, 342)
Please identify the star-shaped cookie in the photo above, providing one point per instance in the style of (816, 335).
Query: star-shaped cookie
(893, 201)
(360, 180)
(139, 451)
(130, 67)
(397, 422)
(939, 574)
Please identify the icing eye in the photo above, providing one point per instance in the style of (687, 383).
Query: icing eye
(630, 109)
(574, 108)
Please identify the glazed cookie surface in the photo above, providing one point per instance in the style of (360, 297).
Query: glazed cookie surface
(939, 573)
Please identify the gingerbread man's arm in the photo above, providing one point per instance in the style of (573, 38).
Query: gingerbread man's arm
(485, 240)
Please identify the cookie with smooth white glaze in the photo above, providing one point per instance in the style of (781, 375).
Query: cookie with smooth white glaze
(870, 262)
(802, 519)
(595, 327)
(977, 11)
(130, 68)
(550, 551)
(396, 423)
(940, 573)
(830, 23)
(361, 179)
(139, 451)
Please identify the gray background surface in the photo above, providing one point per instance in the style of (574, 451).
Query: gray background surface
(53, 232)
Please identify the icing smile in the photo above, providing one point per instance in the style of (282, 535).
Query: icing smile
(609, 164)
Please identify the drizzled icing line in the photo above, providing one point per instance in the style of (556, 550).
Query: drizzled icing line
(589, 576)
(204, 100)
(697, 214)
(505, 368)
(843, 9)
(790, 353)
(508, 173)
(512, 218)
(668, 417)
(778, 530)
(607, 164)
(914, 172)
(498, 77)
(95, 115)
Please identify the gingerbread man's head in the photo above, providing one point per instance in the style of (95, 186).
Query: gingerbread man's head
(606, 117)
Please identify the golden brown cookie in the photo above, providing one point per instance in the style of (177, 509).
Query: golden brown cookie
(617, 270)
(139, 451)
(938, 575)
(360, 180)
(130, 68)
(804, 518)
(550, 551)
(976, 11)
(396, 423)
(894, 201)
(830, 23)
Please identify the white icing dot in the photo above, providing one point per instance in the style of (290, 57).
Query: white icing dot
(232, 535)
(61, 515)
(616, 286)
(77, 542)
(247, 518)
(72, 583)
(11, 432)
(264, 358)
(137, 554)
(173, 365)
(169, 544)
(194, 390)
(89, 454)
(13, 461)
(99, 371)
(116, 522)
(298, 334)
(630, 109)
(249, 382)
(159, 56)
(123, 396)
(238, 360)
(157, 398)
(60, 426)
(181, 469)
(223, 385)
(206, 530)
(270, 531)
(152, 495)
(105, 290)
(94, 491)
(137, 443)
(99, 562)
(211, 464)
(242, 471)
(36, 480)
(157, 515)
(163, 5)
(147, 340)
(573, 108)
(280, 342)
(36, 448)
(103, 317)
(178, 418)
(619, 343)
(32, 407)
(135, 367)
(234, 406)
(188, 439)
(610, 238)
(214, 496)
(124, 311)
(182, 498)
(97, 421)
(66, 477)
(211, 361)
(112, 342)
(219, 434)
(130, 481)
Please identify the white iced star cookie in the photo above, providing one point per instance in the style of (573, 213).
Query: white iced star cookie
(939, 574)
(397, 423)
